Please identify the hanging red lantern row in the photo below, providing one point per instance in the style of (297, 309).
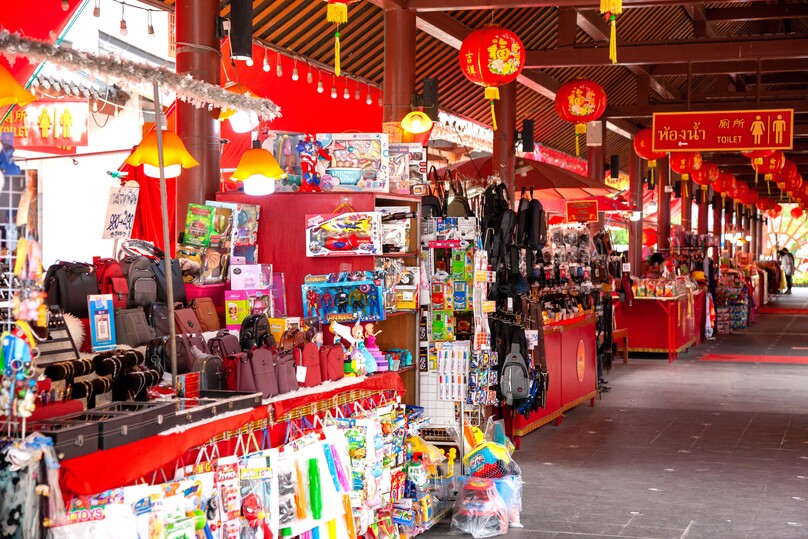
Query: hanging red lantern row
(770, 165)
(750, 198)
(757, 158)
(643, 148)
(337, 13)
(793, 185)
(492, 56)
(579, 102)
(686, 163)
(797, 213)
(765, 204)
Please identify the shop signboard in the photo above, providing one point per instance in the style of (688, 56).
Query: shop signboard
(50, 125)
(121, 207)
(723, 131)
(582, 211)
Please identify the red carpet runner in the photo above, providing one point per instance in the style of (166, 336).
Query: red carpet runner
(733, 358)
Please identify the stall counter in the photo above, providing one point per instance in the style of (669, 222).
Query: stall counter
(572, 369)
(658, 325)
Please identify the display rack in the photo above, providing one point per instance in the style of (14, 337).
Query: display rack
(9, 203)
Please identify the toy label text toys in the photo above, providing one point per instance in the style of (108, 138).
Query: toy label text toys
(343, 234)
(344, 297)
(359, 162)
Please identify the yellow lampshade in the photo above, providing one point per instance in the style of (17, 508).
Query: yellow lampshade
(175, 156)
(241, 121)
(11, 93)
(416, 122)
(258, 169)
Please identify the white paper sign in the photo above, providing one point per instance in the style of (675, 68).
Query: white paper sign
(120, 212)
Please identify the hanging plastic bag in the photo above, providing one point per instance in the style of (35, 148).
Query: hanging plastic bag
(479, 509)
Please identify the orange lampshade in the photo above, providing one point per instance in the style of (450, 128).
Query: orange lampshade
(418, 126)
(175, 156)
(258, 169)
(11, 93)
(241, 121)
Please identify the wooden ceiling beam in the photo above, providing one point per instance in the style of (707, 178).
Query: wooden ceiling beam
(671, 53)
(729, 66)
(596, 28)
(646, 111)
(759, 12)
(425, 6)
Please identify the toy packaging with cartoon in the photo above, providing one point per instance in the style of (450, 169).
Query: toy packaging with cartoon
(358, 162)
(343, 234)
(344, 297)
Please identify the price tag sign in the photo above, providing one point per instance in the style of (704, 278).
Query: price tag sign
(626, 267)
(121, 208)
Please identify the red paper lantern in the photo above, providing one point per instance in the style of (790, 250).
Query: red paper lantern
(649, 237)
(578, 102)
(775, 210)
(796, 213)
(764, 204)
(686, 163)
(793, 185)
(724, 184)
(643, 147)
(492, 56)
(757, 155)
(770, 164)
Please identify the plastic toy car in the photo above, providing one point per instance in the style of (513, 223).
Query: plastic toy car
(479, 510)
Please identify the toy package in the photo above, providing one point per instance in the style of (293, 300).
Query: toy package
(278, 288)
(358, 162)
(479, 509)
(399, 171)
(214, 265)
(416, 158)
(344, 297)
(239, 304)
(343, 234)
(198, 225)
(250, 276)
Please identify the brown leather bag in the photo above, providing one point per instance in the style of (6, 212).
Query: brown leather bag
(206, 313)
(291, 338)
(186, 321)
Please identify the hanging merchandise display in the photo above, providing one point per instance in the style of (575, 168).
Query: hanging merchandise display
(490, 57)
(337, 13)
(579, 102)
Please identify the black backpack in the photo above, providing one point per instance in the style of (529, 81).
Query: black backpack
(459, 206)
(431, 204)
(515, 380)
(176, 278)
(537, 233)
(67, 284)
(142, 282)
(254, 332)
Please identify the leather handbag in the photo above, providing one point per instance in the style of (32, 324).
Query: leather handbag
(307, 357)
(186, 321)
(211, 371)
(159, 266)
(224, 344)
(256, 373)
(286, 372)
(332, 362)
(68, 284)
(254, 332)
(291, 338)
(206, 314)
(157, 315)
(132, 328)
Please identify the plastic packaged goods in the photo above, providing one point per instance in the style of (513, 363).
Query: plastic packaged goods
(479, 509)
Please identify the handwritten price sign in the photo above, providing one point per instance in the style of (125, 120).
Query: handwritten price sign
(120, 212)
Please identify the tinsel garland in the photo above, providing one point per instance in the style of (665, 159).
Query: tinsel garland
(113, 69)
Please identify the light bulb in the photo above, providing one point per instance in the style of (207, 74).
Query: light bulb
(258, 185)
(635, 216)
(333, 92)
(116, 111)
(97, 9)
(150, 26)
(249, 62)
(369, 100)
(380, 101)
(279, 69)
(309, 77)
(266, 65)
(346, 94)
(320, 88)
(65, 5)
(95, 106)
(357, 95)
(295, 74)
(124, 31)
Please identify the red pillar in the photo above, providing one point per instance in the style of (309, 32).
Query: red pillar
(687, 206)
(504, 156)
(718, 215)
(729, 220)
(197, 47)
(635, 173)
(399, 63)
(664, 204)
(703, 218)
(753, 224)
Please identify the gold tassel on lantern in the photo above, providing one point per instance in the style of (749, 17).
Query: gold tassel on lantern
(613, 40)
(685, 180)
(491, 94)
(612, 8)
(336, 53)
(337, 13)
(580, 129)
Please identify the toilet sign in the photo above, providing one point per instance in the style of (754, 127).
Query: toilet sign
(723, 131)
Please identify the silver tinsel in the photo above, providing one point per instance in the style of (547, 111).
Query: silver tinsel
(117, 70)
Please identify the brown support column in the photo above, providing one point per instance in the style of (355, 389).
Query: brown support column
(399, 63)
(763, 236)
(753, 224)
(664, 204)
(745, 227)
(197, 55)
(703, 217)
(729, 220)
(718, 215)
(687, 206)
(635, 173)
(504, 156)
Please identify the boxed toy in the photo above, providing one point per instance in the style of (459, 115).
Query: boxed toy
(344, 297)
(416, 158)
(343, 234)
(359, 162)
(239, 304)
(198, 225)
(250, 276)
(277, 326)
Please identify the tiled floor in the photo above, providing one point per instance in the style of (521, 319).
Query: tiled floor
(684, 450)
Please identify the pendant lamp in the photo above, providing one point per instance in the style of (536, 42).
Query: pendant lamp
(258, 170)
(418, 126)
(175, 156)
(11, 93)
(241, 121)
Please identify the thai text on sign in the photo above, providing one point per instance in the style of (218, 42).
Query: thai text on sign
(729, 130)
(582, 211)
(49, 123)
(120, 212)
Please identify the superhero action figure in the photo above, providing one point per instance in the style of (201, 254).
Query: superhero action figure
(357, 299)
(312, 301)
(311, 151)
(342, 301)
(328, 302)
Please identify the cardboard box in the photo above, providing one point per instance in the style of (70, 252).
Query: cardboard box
(278, 325)
(239, 304)
(251, 277)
